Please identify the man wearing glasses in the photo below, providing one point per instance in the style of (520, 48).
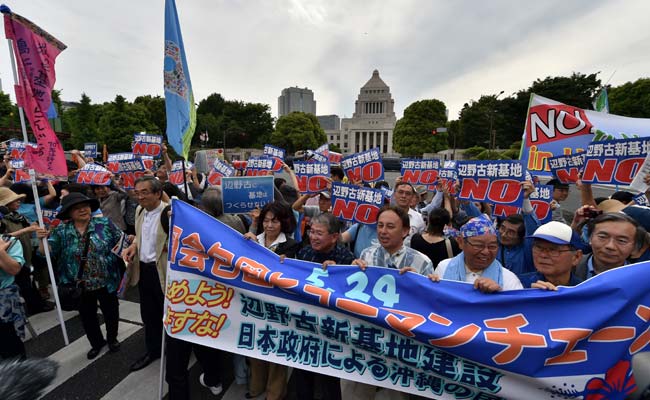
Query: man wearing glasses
(477, 263)
(556, 251)
(147, 258)
(515, 251)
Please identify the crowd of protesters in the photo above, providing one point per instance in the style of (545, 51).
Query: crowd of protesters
(442, 238)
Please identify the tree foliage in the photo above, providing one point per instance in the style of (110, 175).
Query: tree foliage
(119, 121)
(298, 131)
(631, 99)
(508, 114)
(413, 135)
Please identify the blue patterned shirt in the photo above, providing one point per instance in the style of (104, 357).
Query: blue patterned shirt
(404, 257)
(67, 247)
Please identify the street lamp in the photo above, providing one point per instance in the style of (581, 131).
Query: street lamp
(493, 136)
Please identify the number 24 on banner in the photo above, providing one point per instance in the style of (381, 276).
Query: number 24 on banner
(383, 289)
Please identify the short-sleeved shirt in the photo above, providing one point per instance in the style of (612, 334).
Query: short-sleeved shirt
(15, 252)
(339, 254)
(532, 277)
(67, 246)
(404, 257)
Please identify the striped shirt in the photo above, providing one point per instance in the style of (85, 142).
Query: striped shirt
(404, 257)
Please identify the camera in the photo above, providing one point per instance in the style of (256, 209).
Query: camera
(591, 213)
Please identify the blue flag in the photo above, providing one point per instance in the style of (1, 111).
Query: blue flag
(179, 99)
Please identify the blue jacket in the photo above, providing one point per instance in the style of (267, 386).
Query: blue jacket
(519, 259)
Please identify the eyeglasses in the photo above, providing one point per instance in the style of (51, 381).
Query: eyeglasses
(552, 252)
(507, 232)
(481, 246)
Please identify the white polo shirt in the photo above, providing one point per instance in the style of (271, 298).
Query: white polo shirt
(148, 234)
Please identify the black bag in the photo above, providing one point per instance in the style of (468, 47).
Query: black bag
(70, 293)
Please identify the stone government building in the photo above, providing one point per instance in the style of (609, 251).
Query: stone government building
(372, 122)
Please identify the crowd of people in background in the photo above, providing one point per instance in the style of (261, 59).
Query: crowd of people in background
(431, 233)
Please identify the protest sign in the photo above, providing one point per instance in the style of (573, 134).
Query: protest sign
(273, 151)
(334, 157)
(112, 163)
(147, 145)
(318, 158)
(93, 174)
(377, 327)
(90, 150)
(356, 204)
(567, 168)
(364, 167)
(420, 172)
(312, 177)
(614, 161)
(641, 199)
(148, 162)
(21, 175)
(49, 218)
(497, 182)
(540, 199)
(554, 129)
(242, 194)
(219, 170)
(447, 179)
(263, 165)
(16, 149)
(176, 174)
(130, 170)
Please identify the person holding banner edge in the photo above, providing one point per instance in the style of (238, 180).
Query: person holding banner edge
(276, 223)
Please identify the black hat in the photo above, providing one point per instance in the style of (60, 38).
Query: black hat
(73, 199)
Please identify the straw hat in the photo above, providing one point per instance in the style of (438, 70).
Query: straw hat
(8, 196)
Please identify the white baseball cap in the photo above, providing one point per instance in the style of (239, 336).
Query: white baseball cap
(558, 233)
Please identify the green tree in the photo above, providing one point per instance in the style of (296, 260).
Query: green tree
(413, 132)
(298, 131)
(82, 123)
(155, 106)
(119, 121)
(631, 99)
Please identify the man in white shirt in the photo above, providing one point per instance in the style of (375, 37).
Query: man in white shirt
(403, 194)
(477, 263)
(147, 258)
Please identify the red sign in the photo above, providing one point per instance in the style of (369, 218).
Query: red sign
(311, 184)
(370, 172)
(548, 123)
(147, 149)
(352, 210)
(498, 191)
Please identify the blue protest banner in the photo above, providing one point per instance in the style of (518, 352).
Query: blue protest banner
(242, 194)
(641, 199)
(614, 161)
(567, 168)
(273, 151)
(356, 204)
(219, 170)
(540, 199)
(497, 182)
(403, 332)
(112, 161)
(145, 144)
(130, 170)
(447, 178)
(364, 167)
(420, 172)
(312, 177)
(318, 158)
(90, 150)
(94, 174)
(261, 166)
(16, 149)
(176, 174)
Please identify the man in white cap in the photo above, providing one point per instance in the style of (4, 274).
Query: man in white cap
(557, 249)
(477, 263)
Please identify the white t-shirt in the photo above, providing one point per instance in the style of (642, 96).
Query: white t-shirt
(416, 221)
(148, 234)
(510, 280)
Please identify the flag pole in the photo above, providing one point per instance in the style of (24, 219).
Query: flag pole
(161, 379)
(39, 213)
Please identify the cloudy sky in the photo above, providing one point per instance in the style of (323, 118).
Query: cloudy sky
(250, 50)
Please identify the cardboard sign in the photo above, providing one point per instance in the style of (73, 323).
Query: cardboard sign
(112, 161)
(16, 149)
(567, 168)
(49, 218)
(364, 167)
(219, 170)
(90, 150)
(130, 170)
(356, 204)
(614, 161)
(312, 177)
(273, 151)
(176, 174)
(147, 145)
(497, 182)
(420, 172)
(242, 194)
